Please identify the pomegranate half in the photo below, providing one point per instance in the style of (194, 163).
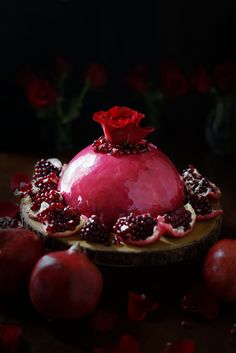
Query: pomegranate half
(112, 186)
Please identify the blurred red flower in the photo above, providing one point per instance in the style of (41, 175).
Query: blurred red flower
(174, 83)
(62, 67)
(96, 75)
(225, 75)
(200, 80)
(137, 78)
(41, 93)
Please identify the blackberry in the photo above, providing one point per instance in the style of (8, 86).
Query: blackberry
(179, 218)
(95, 231)
(136, 227)
(59, 218)
(43, 168)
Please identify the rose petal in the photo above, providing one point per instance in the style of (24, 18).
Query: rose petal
(200, 300)
(139, 305)
(9, 209)
(121, 125)
(104, 349)
(185, 346)
(126, 344)
(103, 321)
(17, 180)
(10, 338)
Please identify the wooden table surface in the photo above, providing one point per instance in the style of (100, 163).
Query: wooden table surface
(167, 285)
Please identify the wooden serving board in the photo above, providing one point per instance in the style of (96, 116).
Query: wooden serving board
(167, 250)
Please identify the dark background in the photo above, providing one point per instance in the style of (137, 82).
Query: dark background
(117, 36)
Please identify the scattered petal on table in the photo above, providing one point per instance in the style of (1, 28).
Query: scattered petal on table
(184, 346)
(10, 338)
(200, 300)
(126, 344)
(103, 321)
(9, 209)
(139, 305)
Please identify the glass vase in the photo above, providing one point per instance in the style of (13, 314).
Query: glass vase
(221, 126)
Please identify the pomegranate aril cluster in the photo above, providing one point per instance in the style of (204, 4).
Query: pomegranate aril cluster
(43, 168)
(179, 218)
(137, 227)
(95, 231)
(104, 146)
(60, 218)
(50, 197)
(196, 184)
(47, 183)
(201, 206)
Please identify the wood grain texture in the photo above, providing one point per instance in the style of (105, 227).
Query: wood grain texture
(167, 250)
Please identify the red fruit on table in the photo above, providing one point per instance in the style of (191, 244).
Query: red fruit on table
(219, 269)
(65, 285)
(20, 249)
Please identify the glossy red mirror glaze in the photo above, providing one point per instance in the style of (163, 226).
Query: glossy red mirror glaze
(113, 186)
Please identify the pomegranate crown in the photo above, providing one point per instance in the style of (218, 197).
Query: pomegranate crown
(121, 125)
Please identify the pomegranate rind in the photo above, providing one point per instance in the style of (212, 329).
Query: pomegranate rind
(211, 215)
(179, 232)
(29, 220)
(193, 181)
(156, 235)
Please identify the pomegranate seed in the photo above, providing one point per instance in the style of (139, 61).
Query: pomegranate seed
(43, 168)
(137, 227)
(104, 146)
(95, 231)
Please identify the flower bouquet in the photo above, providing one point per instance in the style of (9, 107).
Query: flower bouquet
(53, 104)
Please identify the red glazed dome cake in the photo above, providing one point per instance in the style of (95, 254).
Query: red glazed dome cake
(122, 198)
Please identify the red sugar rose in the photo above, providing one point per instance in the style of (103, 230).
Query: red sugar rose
(121, 125)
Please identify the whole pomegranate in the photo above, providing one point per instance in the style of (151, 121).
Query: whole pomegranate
(20, 249)
(65, 285)
(219, 269)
